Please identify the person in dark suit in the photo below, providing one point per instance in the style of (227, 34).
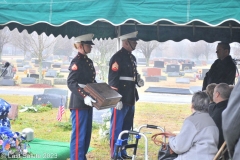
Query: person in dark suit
(223, 70)
(123, 77)
(81, 72)
(231, 123)
(221, 95)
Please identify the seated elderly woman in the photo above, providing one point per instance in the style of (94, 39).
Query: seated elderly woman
(198, 138)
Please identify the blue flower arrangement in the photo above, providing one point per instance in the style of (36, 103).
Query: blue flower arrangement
(12, 144)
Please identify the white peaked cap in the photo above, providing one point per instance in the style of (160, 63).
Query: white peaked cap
(129, 36)
(86, 38)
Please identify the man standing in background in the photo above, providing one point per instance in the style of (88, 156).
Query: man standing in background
(223, 70)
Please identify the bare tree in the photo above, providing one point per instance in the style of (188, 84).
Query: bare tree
(146, 49)
(4, 39)
(38, 45)
(63, 46)
(101, 54)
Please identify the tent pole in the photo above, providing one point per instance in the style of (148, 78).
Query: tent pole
(118, 39)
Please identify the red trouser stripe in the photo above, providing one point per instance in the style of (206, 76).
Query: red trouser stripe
(77, 135)
(113, 131)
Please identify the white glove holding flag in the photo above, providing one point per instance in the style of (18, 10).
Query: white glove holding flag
(119, 105)
(88, 101)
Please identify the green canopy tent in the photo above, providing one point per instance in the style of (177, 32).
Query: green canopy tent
(161, 20)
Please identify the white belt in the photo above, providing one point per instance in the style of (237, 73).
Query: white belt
(127, 78)
(81, 85)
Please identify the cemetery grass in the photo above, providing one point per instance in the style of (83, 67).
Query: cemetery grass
(45, 125)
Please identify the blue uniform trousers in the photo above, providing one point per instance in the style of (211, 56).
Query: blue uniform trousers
(123, 121)
(81, 133)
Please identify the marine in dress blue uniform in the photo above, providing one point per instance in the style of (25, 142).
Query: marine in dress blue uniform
(123, 77)
(81, 73)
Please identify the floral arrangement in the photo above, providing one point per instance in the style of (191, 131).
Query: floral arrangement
(12, 144)
(36, 108)
(104, 130)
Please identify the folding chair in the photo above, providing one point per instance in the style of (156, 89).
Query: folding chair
(221, 152)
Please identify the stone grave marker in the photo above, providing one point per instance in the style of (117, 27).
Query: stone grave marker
(173, 68)
(56, 65)
(51, 73)
(159, 64)
(46, 64)
(59, 81)
(186, 66)
(53, 99)
(163, 78)
(7, 82)
(19, 64)
(28, 80)
(202, 74)
(32, 71)
(21, 69)
(36, 61)
(141, 61)
(174, 74)
(152, 79)
(34, 75)
(153, 72)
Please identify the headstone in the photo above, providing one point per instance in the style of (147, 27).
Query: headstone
(173, 68)
(159, 64)
(152, 79)
(59, 81)
(19, 64)
(46, 64)
(28, 80)
(56, 65)
(186, 66)
(36, 61)
(183, 80)
(141, 61)
(163, 78)
(27, 66)
(7, 82)
(32, 71)
(26, 63)
(51, 73)
(55, 100)
(34, 75)
(174, 74)
(202, 74)
(153, 72)
(13, 112)
(45, 81)
(21, 69)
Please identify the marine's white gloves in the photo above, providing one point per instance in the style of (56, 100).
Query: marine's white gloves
(140, 83)
(88, 101)
(119, 105)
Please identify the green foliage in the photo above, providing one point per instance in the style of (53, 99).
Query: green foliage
(66, 126)
(59, 75)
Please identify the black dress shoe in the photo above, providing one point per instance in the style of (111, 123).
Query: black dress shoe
(125, 156)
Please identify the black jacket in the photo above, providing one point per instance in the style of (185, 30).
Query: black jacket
(221, 71)
(123, 64)
(217, 118)
(82, 71)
